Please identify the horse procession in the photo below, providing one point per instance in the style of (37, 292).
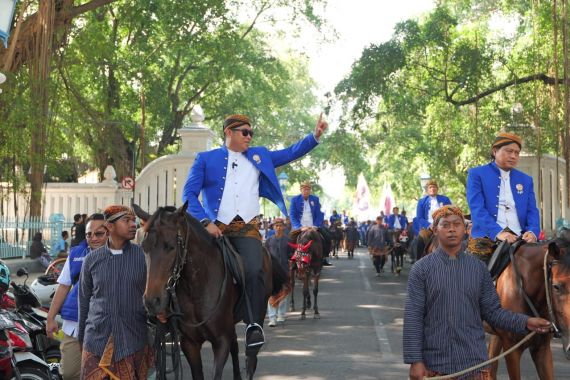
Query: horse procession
(201, 269)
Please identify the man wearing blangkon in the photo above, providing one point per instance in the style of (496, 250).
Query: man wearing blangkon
(231, 180)
(449, 293)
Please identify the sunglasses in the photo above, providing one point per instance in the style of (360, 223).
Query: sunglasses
(99, 234)
(244, 132)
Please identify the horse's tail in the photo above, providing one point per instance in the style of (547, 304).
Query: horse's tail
(280, 277)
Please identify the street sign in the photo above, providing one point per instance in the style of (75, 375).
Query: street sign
(128, 183)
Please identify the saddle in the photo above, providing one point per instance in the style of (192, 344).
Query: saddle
(497, 255)
(234, 264)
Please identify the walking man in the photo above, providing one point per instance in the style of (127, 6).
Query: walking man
(378, 242)
(112, 318)
(231, 180)
(449, 292)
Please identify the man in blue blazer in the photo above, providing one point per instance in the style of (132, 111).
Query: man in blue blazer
(396, 221)
(231, 180)
(305, 211)
(500, 197)
(429, 204)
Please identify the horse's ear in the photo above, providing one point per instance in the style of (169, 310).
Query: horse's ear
(554, 250)
(143, 215)
(182, 210)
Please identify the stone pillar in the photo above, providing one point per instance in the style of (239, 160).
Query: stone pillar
(196, 137)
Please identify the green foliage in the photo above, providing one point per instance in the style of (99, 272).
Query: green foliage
(430, 99)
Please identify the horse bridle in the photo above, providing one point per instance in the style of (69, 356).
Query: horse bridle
(177, 267)
(547, 267)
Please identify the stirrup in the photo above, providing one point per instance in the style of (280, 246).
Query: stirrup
(254, 327)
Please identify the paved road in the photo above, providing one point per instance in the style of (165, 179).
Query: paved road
(359, 335)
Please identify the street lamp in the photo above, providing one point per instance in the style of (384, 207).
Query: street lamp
(7, 8)
(424, 178)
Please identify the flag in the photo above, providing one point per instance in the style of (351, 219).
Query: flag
(361, 204)
(387, 201)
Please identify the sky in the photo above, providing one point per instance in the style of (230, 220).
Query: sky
(358, 23)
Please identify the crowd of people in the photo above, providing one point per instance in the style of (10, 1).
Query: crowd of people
(106, 332)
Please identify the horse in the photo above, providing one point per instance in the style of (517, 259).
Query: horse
(184, 259)
(337, 237)
(542, 272)
(398, 251)
(307, 261)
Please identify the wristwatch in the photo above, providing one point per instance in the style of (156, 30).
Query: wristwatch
(205, 222)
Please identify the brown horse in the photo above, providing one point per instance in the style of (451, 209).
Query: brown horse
(531, 263)
(306, 262)
(182, 255)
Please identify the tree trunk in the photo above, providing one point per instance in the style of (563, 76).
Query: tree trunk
(566, 126)
(40, 69)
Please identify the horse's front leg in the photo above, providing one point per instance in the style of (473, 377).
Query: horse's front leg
(192, 353)
(494, 349)
(513, 361)
(305, 295)
(221, 348)
(541, 354)
(315, 292)
(234, 350)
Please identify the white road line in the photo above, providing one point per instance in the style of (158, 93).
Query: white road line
(383, 341)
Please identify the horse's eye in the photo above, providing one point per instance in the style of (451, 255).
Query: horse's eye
(557, 288)
(167, 247)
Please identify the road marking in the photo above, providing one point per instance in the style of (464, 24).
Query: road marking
(385, 348)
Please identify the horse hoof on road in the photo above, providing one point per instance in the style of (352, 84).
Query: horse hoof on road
(317, 316)
(303, 317)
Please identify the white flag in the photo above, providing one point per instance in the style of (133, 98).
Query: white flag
(362, 199)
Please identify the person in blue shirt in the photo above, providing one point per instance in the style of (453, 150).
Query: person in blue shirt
(305, 211)
(59, 249)
(424, 211)
(231, 180)
(502, 203)
(396, 221)
(65, 297)
(335, 217)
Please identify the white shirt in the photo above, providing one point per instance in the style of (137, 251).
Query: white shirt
(433, 206)
(241, 190)
(69, 328)
(397, 221)
(307, 218)
(507, 214)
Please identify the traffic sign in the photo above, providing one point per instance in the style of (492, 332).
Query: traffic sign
(128, 183)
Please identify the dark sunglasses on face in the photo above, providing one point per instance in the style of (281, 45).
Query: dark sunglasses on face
(244, 132)
(99, 234)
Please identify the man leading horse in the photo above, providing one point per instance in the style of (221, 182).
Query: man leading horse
(232, 179)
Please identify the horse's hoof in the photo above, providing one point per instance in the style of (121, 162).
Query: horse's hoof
(303, 317)
(317, 316)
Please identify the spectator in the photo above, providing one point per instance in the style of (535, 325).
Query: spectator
(279, 250)
(38, 250)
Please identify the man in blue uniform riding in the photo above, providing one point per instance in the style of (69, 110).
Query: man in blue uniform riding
(231, 180)
(305, 211)
(424, 211)
(501, 199)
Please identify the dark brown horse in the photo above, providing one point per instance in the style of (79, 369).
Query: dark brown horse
(337, 236)
(306, 262)
(181, 254)
(532, 262)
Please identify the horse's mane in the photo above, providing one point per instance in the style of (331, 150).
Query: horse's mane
(193, 223)
(295, 233)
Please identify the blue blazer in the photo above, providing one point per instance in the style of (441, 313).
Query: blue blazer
(422, 211)
(483, 185)
(208, 176)
(296, 211)
(391, 219)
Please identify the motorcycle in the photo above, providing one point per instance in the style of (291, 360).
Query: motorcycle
(17, 362)
(34, 319)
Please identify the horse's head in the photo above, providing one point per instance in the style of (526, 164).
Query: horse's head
(162, 246)
(308, 249)
(560, 280)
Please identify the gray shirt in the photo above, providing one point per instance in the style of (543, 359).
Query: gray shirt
(377, 236)
(446, 303)
(111, 301)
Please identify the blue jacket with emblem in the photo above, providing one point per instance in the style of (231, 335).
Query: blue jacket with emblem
(297, 207)
(483, 186)
(422, 211)
(208, 176)
(70, 307)
(391, 219)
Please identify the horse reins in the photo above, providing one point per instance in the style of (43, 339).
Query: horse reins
(547, 282)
